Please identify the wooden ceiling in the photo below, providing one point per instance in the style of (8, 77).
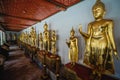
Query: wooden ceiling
(16, 15)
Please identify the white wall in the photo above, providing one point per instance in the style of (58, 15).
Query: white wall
(80, 13)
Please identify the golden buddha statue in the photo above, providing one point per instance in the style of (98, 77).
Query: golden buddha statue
(23, 37)
(27, 37)
(40, 41)
(33, 36)
(14, 36)
(53, 42)
(73, 47)
(46, 40)
(99, 41)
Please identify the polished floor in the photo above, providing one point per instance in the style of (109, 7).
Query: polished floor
(19, 67)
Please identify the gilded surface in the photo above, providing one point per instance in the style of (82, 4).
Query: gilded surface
(73, 47)
(40, 41)
(99, 41)
(46, 40)
(53, 42)
(33, 37)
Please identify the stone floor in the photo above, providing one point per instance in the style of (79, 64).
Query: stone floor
(19, 67)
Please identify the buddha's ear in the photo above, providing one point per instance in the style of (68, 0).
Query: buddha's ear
(104, 13)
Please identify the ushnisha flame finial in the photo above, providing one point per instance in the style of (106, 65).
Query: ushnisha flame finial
(98, 3)
(72, 30)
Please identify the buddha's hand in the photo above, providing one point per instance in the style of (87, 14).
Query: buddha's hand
(66, 40)
(68, 43)
(116, 55)
(80, 28)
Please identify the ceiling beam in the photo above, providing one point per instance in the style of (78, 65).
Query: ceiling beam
(11, 16)
(17, 28)
(2, 6)
(58, 4)
(5, 23)
(2, 28)
(12, 28)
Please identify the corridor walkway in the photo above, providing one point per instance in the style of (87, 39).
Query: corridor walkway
(19, 67)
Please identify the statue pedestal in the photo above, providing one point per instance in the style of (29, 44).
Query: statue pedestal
(81, 72)
(52, 63)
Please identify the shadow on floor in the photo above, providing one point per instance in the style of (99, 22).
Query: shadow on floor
(18, 67)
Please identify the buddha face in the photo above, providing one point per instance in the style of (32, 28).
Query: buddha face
(40, 34)
(45, 27)
(98, 12)
(72, 33)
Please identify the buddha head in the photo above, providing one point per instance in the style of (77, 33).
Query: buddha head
(98, 9)
(53, 32)
(45, 26)
(72, 32)
(32, 28)
(41, 34)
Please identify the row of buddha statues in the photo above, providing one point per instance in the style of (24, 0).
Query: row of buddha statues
(99, 42)
(44, 41)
